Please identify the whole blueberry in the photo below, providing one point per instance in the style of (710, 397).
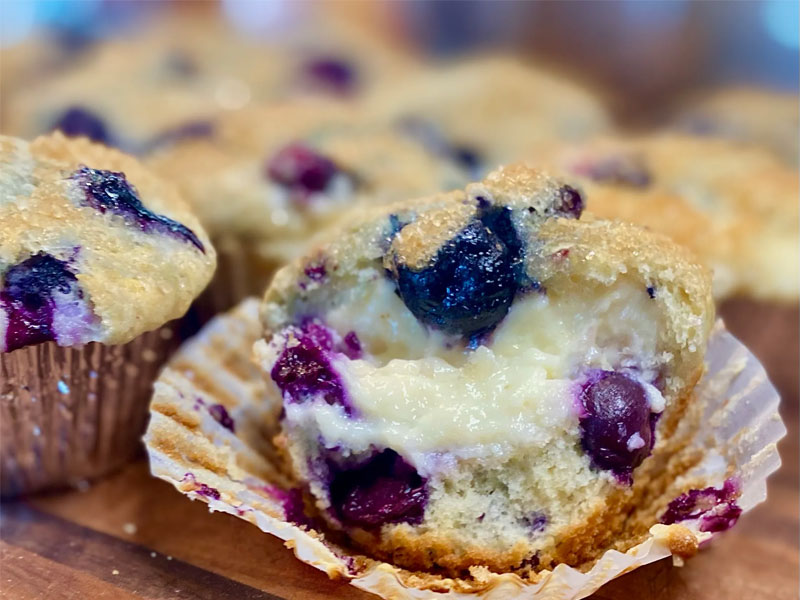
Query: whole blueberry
(109, 191)
(384, 489)
(570, 203)
(304, 370)
(27, 298)
(616, 425)
(302, 170)
(470, 284)
(77, 121)
(331, 74)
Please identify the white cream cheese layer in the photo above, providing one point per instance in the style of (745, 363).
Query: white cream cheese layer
(412, 393)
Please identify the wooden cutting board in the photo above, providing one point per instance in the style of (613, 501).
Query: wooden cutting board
(131, 536)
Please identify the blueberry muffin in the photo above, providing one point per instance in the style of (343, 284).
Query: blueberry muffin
(489, 110)
(761, 116)
(267, 179)
(96, 255)
(479, 377)
(733, 204)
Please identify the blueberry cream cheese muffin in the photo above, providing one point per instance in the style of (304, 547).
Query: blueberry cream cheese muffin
(480, 377)
(734, 204)
(96, 255)
(267, 179)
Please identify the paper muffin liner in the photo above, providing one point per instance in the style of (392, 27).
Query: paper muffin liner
(212, 425)
(68, 415)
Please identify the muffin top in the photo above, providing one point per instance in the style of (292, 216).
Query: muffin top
(490, 110)
(93, 246)
(459, 261)
(274, 175)
(734, 204)
(766, 117)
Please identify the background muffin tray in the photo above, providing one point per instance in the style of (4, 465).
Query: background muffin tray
(132, 536)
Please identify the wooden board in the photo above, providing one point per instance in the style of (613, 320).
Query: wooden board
(131, 536)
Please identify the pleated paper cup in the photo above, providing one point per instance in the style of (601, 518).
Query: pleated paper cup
(70, 415)
(212, 425)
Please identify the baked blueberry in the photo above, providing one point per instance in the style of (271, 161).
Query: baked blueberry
(616, 427)
(331, 74)
(470, 284)
(77, 121)
(301, 170)
(384, 489)
(28, 298)
(110, 191)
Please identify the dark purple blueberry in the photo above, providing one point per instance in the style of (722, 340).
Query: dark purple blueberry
(330, 74)
(651, 291)
(468, 158)
(301, 170)
(536, 521)
(316, 271)
(110, 191)
(570, 203)
(81, 122)
(190, 130)
(221, 416)
(716, 508)
(304, 371)
(352, 346)
(201, 489)
(627, 170)
(472, 280)
(616, 425)
(27, 298)
(384, 489)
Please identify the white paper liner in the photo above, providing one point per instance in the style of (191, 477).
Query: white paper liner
(240, 473)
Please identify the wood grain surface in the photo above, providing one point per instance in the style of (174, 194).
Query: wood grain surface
(131, 536)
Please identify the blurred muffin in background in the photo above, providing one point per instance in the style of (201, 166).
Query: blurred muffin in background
(97, 256)
(766, 117)
(182, 68)
(734, 205)
(266, 180)
(489, 110)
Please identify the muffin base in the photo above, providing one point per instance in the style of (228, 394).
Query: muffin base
(68, 415)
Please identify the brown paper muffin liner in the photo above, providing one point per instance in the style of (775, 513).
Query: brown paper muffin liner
(68, 415)
(212, 425)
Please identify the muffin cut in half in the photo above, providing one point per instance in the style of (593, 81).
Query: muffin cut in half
(477, 377)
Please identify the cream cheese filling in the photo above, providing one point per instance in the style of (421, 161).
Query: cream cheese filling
(414, 394)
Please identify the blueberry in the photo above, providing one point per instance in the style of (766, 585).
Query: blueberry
(384, 489)
(472, 280)
(332, 74)
(221, 416)
(570, 203)
(627, 170)
(110, 191)
(27, 298)
(304, 371)
(301, 170)
(616, 428)
(716, 508)
(468, 158)
(185, 131)
(81, 122)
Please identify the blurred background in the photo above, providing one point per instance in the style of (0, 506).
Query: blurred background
(641, 55)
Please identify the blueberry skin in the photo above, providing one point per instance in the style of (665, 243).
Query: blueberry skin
(616, 408)
(336, 75)
(110, 191)
(77, 121)
(27, 297)
(301, 170)
(384, 489)
(472, 281)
